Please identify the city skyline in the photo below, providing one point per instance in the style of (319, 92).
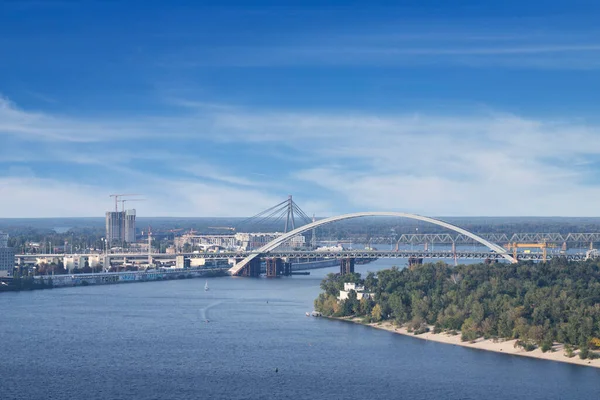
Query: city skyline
(223, 111)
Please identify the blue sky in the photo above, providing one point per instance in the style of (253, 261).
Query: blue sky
(225, 108)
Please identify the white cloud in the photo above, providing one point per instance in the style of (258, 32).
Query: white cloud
(40, 126)
(478, 164)
(27, 196)
(473, 46)
(494, 164)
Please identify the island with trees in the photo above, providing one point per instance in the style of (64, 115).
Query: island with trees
(541, 307)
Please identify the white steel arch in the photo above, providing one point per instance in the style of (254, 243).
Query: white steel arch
(276, 242)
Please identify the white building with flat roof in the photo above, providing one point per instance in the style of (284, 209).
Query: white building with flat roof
(359, 289)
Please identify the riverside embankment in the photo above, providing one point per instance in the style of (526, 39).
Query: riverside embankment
(107, 278)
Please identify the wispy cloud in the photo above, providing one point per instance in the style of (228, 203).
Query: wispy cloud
(503, 46)
(36, 125)
(479, 163)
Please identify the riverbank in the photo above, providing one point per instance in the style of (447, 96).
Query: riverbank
(499, 346)
(105, 278)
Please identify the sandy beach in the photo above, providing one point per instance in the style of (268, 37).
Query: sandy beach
(505, 347)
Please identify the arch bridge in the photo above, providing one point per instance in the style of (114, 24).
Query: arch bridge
(251, 261)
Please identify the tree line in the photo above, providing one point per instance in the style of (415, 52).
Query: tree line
(537, 303)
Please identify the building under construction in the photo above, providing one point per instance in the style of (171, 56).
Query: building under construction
(120, 225)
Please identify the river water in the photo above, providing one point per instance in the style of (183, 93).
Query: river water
(151, 341)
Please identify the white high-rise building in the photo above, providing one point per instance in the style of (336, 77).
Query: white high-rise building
(7, 255)
(130, 226)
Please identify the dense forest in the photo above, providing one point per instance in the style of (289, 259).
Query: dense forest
(538, 304)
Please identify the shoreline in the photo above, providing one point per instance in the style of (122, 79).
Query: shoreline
(44, 282)
(499, 346)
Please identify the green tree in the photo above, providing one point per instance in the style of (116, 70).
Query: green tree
(365, 306)
(376, 313)
(469, 330)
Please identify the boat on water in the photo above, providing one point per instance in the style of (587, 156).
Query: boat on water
(206, 286)
(308, 314)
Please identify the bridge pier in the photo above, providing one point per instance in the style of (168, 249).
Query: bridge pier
(286, 268)
(252, 269)
(414, 261)
(275, 267)
(346, 266)
(106, 263)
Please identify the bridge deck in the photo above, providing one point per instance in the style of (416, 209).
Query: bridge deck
(328, 254)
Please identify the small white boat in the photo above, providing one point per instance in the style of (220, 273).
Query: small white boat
(307, 314)
(206, 286)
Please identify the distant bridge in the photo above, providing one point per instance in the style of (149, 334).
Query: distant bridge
(311, 254)
(245, 263)
(532, 237)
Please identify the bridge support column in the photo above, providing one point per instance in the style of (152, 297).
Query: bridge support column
(346, 266)
(414, 261)
(252, 269)
(274, 267)
(286, 268)
(106, 263)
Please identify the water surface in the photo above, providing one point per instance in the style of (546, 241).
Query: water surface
(152, 341)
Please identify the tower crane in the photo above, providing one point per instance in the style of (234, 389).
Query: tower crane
(128, 200)
(116, 196)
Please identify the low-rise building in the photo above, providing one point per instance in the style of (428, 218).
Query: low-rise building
(239, 241)
(251, 241)
(359, 289)
(72, 262)
(48, 260)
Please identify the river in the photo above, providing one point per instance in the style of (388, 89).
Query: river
(151, 341)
